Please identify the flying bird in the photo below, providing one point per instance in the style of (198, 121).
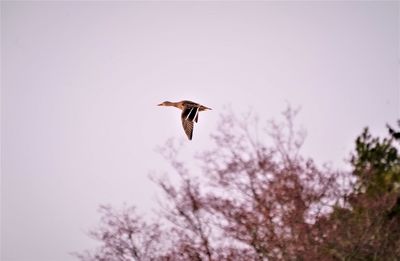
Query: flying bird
(190, 114)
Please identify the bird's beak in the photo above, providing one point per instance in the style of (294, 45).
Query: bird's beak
(159, 104)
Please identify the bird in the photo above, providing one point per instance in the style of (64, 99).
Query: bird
(190, 113)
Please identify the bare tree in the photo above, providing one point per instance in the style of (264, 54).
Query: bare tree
(125, 237)
(259, 199)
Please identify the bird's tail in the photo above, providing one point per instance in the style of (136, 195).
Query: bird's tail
(203, 108)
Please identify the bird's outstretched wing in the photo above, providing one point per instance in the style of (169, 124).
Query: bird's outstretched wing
(188, 127)
(189, 115)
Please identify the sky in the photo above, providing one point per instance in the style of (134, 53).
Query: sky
(80, 82)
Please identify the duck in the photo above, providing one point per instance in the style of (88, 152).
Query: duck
(190, 114)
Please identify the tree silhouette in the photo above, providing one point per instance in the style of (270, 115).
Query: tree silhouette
(257, 198)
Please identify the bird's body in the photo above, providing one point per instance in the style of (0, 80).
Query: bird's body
(190, 113)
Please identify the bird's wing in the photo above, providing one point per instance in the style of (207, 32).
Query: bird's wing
(188, 127)
(189, 114)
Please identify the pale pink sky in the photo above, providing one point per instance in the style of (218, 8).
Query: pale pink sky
(80, 81)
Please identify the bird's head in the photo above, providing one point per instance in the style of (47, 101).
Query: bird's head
(166, 103)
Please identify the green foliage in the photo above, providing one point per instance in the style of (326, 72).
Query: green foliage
(367, 227)
(377, 163)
